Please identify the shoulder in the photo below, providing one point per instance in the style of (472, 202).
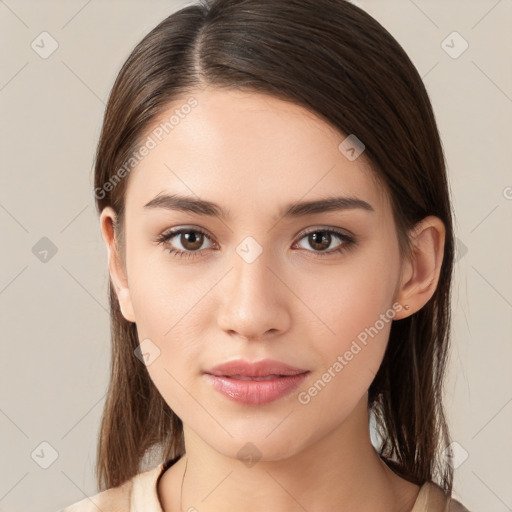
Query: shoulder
(116, 499)
(432, 498)
(456, 506)
(138, 490)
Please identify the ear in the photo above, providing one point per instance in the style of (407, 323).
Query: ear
(116, 267)
(420, 274)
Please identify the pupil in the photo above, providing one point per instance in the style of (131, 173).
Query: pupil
(192, 239)
(318, 238)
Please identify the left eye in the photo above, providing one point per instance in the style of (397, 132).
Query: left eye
(192, 240)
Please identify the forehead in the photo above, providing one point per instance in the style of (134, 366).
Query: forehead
(248, 151)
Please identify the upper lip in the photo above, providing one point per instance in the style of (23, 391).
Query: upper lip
(261, 368)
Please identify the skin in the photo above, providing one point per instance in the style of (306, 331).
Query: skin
(252, 154)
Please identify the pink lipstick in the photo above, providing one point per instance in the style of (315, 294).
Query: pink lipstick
(255, 383)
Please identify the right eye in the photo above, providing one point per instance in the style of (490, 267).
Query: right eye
(191, 239)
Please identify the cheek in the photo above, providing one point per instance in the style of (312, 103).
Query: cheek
(168, 301)
(353, 306)
(166, 319)
(349, 359)
(349, 296)
(161, 293)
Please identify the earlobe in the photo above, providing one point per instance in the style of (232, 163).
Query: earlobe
(116, 268)
(424, 267)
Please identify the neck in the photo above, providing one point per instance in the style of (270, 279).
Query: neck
(341, 468)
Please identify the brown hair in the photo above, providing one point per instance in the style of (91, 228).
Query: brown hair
(335, 60)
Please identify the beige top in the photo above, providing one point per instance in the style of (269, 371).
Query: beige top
(139, 494)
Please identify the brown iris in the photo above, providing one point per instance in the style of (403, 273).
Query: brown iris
(318, 239)
(191, 240)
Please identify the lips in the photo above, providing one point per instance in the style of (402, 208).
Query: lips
(255, 383)
(266, 368)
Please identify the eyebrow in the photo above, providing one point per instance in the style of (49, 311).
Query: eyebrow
(296, 209)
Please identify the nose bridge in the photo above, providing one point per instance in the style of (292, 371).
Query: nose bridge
(251, 276)
(251, 301)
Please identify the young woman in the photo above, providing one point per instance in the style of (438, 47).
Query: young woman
(273, 198)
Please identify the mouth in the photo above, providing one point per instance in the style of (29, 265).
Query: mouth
(255, 390)
(255, 383)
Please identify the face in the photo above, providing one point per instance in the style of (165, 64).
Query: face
(314, 290)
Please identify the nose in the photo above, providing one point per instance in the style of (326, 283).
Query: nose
(254, 303)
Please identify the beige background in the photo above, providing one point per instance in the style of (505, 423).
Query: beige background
(54, 317)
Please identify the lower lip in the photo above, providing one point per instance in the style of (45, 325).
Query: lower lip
(256, 392)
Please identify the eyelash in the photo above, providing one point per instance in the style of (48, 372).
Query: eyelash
(348, 242)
